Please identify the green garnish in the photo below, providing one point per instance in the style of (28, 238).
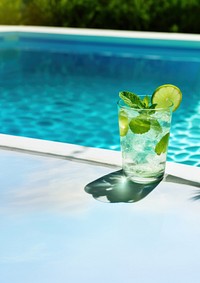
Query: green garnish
(164, 96)
(146, 101)
(162, 145)
(134, 101)
(123, 123)
(140, 124)
(155, 125)
(131, 99)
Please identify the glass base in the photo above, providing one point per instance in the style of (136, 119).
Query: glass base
(143, 174)
(146, 180)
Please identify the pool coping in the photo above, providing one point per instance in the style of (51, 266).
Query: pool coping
(78, 153)
(102, 32)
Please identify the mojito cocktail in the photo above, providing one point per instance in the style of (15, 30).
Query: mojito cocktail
(144, 127)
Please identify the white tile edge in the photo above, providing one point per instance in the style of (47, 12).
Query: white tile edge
(70, 151)
(103, 32)
(184, 171)
(100, 156)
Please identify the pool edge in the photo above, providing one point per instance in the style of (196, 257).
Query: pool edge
(102, 32)
(107, 157)
(99, 156)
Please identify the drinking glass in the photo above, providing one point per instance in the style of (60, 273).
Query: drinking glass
(144, 136)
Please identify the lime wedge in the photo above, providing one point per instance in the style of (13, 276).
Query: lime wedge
(166, 94)
(123, 123)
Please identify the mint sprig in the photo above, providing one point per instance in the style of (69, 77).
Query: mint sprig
(131, 99)
(146, 101)
(143, 122)
(134, 101)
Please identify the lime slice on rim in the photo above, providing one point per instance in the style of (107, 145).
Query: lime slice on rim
(166, 94)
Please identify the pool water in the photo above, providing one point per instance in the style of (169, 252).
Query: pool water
(67, 92)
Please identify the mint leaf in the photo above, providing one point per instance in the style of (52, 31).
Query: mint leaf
(152, 109)
(131, 99)
(153, 106)
(155, 125)
(162, 145)
(146, 101)
(139, 125)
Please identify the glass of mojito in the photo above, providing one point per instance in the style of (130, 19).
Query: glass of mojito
(144, 127)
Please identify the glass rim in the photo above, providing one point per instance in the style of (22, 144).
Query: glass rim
(122, 105)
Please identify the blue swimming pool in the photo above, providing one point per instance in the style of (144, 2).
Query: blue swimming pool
(65, 88)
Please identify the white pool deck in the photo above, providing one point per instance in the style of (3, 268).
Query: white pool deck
(53, 231)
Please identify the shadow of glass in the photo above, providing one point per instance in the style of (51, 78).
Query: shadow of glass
(115, 187)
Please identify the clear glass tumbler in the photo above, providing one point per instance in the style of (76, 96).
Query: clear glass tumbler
(144, 136)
